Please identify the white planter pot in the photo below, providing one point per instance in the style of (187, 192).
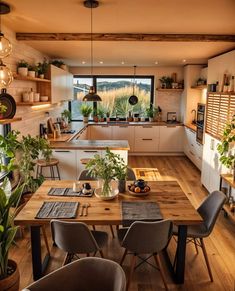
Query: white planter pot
(23, 71)
(142, 119)
(151, 119)
(32, 74)
(85, 119)
(41, 76)
(36, 97)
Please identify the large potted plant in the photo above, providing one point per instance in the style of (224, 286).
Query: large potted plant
(107, 168)
(86, 111)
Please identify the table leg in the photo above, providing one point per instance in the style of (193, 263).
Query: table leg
(37, 264)
(180, 254)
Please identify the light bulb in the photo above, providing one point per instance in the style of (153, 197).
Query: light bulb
(5, 46)
(6, 76)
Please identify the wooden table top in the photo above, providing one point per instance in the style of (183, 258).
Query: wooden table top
(173, 203)
(229, 179)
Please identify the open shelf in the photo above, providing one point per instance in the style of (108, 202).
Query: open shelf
(32, 103)
(200, 87)
(10, 120)
(170, 90)
(23, 78)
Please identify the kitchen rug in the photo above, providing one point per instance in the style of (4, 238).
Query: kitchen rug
(147, 174)
(139, 211)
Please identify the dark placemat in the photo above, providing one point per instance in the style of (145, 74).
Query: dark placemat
(68, 192)
(144, 211)
(58, 210)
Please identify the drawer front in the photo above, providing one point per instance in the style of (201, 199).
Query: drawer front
(146, 144)
(146, 131)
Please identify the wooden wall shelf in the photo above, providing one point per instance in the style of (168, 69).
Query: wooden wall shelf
(32, 103)
(18, 77)
(10, 120)
(170, 90)
(201, 87)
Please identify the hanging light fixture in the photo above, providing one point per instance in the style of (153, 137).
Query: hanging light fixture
(133, 99)
(5, 45)
(6, 76)
(92, 95)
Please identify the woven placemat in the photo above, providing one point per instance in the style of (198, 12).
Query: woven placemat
(139, 211)
(68, 192)
(58, 209)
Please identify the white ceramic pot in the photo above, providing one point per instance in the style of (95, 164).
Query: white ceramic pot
(85, 119)
(23, 71)
(26, 97)
(151, 119)
(32, 74)
(36, 97)
(142, 119)
(41, 76)
(44, 98)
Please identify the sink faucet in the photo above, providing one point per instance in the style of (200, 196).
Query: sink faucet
(194, 119)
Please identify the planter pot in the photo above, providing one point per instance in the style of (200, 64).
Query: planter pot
(12, 282)
(142, 119)
(41, 76)
(32, 74)
(85, 119)
(23, 71)
(151, 119)
(101, 119)
(108, 119)
(122, 186)
(95, 119)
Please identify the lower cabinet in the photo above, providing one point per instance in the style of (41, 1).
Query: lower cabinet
(146, 138)
(171, 139)
(100, 132)
(124, 132)
(67, 163)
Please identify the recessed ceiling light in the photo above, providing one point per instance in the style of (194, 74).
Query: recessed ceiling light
(184, 61)
(83, 62)
(156, 63)
(122, 62)
(101, 62)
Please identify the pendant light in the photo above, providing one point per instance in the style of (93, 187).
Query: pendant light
(133, 98)
(5, 45)
(92, 95)
(6, 76)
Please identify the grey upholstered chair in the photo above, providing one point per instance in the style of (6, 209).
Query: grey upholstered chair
(76, 238)
(209, 211)
(145, 238)
(86, 274)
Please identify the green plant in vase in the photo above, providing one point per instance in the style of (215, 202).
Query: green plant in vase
(86, 111)
(108, 168)
(101, 113)
(3, 109)
(66, 115)
(151, 112)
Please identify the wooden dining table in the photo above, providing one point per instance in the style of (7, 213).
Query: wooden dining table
(172, 201)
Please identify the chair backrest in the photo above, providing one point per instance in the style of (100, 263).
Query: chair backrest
(210, 208)
(130, 175)
(148, 237)
(73, 237)
(84, 275)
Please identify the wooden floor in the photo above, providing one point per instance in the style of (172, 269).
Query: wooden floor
(220, 245)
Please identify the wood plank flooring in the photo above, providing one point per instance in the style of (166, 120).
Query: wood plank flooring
(220, 245)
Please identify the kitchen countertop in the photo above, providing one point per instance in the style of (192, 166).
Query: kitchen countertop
(91, 145)
(191, 126)
(79, 126)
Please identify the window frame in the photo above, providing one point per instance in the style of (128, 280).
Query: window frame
(95, 77)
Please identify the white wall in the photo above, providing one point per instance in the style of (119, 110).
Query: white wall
(30, 117)
(167, 101)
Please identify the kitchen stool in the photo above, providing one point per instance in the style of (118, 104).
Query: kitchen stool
(48, 164)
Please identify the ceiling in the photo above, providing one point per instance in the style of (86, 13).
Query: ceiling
(126, 16)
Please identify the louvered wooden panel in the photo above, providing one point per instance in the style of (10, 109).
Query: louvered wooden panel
(220, 109)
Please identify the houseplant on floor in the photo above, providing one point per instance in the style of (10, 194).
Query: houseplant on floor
(86, 111)
(108, 168)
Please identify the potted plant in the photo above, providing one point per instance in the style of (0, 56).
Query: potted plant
(108, 168)
(108, 116)
(32, 71)
(85, 110)
(101, 113)
(66, 115)
(151, 112)
(42, 68)
(57, 63)
(166, 82)
(22, 68)
(226, 147)
(3, 109)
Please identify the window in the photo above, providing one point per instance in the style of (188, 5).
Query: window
(114, 92)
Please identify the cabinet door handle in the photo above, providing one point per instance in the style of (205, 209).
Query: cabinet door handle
(147, 139)
(62, 151)
(191, 153)
(90, 151)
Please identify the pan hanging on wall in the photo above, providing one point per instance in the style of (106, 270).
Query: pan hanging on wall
(9, 102)
(133, 99)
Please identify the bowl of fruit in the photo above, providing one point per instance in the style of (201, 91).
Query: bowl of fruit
(139, 188)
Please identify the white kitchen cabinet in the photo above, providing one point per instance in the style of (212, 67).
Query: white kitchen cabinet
(192, 149)
(101, 132)
(146, 138)
(171, 139)
(211, 166)
(67, 163)
(83, 155)
(124, 132)
(69, 86)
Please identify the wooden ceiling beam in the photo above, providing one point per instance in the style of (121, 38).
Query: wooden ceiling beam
(23, 36)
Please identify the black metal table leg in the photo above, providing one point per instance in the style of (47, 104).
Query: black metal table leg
(37, 264)
(180, 254)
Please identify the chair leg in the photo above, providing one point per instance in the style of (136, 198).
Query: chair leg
(195, 243)
(123, 257)
(93, 226)
(111, 228)
(206, 259)
(67, 259)
(45, 239)
(101, 253)
(131, 271)
(158, 263)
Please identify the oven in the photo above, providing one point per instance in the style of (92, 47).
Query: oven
(200, 122)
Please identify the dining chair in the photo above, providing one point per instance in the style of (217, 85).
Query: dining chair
(76, 238)
(85, 176)
(145, 238)
(83, 275)
(209, 211)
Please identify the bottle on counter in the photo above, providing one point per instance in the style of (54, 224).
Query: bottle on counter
(31, 95)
